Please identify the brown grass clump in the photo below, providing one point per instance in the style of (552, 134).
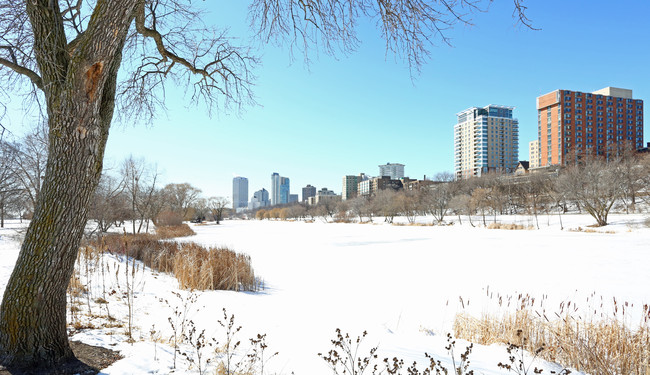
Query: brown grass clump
(590, 230)
(606, 346)
(509, 226)
(173, 231)
(213, 269)
(193, 265)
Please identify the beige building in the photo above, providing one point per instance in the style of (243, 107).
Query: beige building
(486, 140)
(533, 154)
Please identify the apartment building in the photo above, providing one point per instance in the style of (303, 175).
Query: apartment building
(486, 140)
(393, 170)
(533, 154)
(574, 123)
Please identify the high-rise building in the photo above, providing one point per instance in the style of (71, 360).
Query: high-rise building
(284, 190)
(275, 188)
(260, 199)
(486, 139)
(279, 189)
(393, 170)
(533, 154)
(239, 192)
(573, 123)
(308, 191)
(293, 198)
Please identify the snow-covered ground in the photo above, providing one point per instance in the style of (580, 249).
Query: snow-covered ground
(401, 284)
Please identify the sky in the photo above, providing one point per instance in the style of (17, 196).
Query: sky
(346, 115)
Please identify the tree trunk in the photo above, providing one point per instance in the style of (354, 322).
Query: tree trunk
(79, 87)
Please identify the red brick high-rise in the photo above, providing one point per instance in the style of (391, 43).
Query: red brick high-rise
(573, 123)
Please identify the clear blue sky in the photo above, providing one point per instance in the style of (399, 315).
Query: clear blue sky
(349, 114)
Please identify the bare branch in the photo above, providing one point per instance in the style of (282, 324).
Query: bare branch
(520, 14)
(32, 75)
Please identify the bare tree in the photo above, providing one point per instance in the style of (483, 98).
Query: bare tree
(437, 200)
(109, 205)
(462, 203)
(180, 198)
(384, 204)
(480, 199)
(66, 56)
(360, 207)
(594, 184)
(409, 204)
(217, 205)
(10, 189)
(31, 161)
(534, 193)
(140, 184)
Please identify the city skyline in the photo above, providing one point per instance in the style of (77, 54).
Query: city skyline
(345, 115)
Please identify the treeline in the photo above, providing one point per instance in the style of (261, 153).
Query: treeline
(593, 185)
(130, 193)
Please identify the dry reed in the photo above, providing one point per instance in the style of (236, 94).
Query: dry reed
(598, 345)
(173, 231)
(195, 266)
(510, 226)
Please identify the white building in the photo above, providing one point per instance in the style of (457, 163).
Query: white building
(393, 170)
(486, 140)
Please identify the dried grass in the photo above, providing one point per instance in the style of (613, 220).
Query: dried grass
(599, 346)
(173, 231)
(509, 226)
(195, 266)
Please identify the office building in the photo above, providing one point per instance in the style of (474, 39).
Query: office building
(279, 189)
(393, 170)
(574, 123)
(293, 198)
(308, 191)
(486, 140)
(260, 199)
(239, 192)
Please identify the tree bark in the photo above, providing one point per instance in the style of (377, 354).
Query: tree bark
(79, 88)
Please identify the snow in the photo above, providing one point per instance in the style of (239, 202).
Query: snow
(401, 284)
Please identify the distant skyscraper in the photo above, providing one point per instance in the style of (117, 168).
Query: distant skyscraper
(293, 198)
(279, 189)
(393, 170)
(308, 191)
(260, 199)
(239, 192)
(285, 190)
(486, 139)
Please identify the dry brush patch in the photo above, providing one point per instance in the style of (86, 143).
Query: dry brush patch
(509, 226)
(597, 344)
(195, 266)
